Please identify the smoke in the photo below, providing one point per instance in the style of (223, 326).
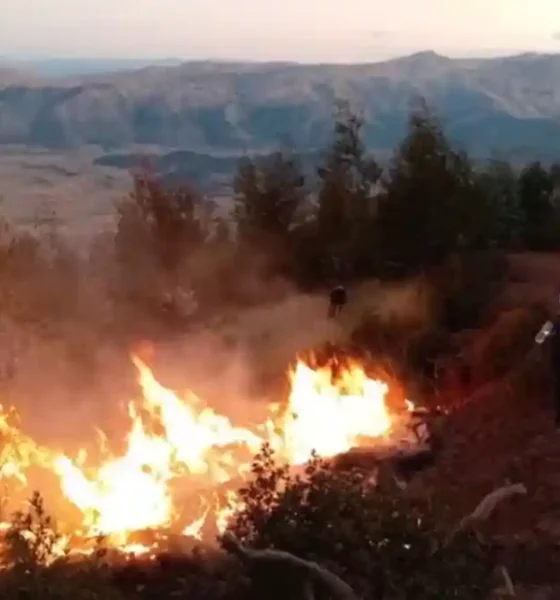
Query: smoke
(67, 386)
(75, 380)
(72, 372)
(239, 365)
(408, 304)
(62, 397)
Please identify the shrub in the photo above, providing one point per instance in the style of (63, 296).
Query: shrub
(468, 285)
(200, 575)
(381, 542)
(504, 344)
(37, 567)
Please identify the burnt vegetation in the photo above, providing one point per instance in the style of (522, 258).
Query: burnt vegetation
(430, 216)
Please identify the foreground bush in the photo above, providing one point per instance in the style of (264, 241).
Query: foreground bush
(37, 568)
(381, 542)
(366, 541)
(504, 345)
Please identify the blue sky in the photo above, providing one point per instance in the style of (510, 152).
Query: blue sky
(304, 30)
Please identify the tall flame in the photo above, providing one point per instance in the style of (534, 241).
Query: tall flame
(330, 416)
(174, 440)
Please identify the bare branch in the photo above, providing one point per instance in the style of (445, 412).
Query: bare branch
(508, 583)
(487, 506)
(316, 574)
(308, 593)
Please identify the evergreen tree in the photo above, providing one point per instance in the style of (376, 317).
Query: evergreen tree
(536, 187)
(168, 221)
(270, 200)
(426, 209)
(498, 185)
(348, 185)
(159, 227)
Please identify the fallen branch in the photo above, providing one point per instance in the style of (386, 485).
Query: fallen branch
(508, 583)
(486, 507)
(313, 573)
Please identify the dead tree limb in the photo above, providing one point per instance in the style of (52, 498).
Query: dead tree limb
(508, 583)
(313, 573)
(487, 506)
(482, 512)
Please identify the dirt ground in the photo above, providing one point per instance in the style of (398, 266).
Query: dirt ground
(502, 435)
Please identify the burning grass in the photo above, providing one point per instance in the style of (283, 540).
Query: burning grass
(143, 522)
(177, 477)
(323, 531)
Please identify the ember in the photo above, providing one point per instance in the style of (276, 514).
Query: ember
(180, 452)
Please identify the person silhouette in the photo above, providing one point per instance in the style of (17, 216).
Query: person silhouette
(337, 300)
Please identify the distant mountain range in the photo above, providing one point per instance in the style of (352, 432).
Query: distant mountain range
(509, 106)
(66, 67)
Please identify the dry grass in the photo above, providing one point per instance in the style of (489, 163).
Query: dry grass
(535, 278)
(504, 344)
(410, 303)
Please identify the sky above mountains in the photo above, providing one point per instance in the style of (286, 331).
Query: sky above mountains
(298, 30)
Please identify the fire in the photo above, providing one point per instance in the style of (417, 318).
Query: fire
(133, 492)
(330, 417)
(179, 443)
(190, 434)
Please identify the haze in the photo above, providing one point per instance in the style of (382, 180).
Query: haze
(296, 30)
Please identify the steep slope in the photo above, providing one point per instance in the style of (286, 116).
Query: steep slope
(505, 105)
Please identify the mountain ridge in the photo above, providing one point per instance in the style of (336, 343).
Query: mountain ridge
(508, 105)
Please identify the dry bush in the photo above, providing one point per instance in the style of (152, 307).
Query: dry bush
(400, 332)
(37, 567)
(504, 345)
(381, 542)
(410, 303)
(41, 278)
(467, 287)
(535, 267)
(534, 279)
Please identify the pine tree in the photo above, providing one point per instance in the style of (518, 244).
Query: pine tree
(270, 200)
(425, 213)
(347, 198)
(536, 188)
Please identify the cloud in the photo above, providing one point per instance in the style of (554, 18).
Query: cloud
(556, 36)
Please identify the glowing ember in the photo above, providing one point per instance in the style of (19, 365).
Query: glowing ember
(174, 438)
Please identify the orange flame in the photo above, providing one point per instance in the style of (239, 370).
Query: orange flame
(329, 417)
(174, 438)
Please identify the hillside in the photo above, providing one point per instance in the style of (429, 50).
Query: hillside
(65, 67)
(508, 105)
(17, 77)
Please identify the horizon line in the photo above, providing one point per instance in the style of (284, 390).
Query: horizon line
(232, 61)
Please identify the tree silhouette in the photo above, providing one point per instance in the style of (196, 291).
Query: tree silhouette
(498, 185)
(270, 200)
(536, 187)
(159, 227)
(347, 198)
(428, 188)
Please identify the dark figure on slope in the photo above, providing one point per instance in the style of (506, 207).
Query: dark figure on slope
(337, 300)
